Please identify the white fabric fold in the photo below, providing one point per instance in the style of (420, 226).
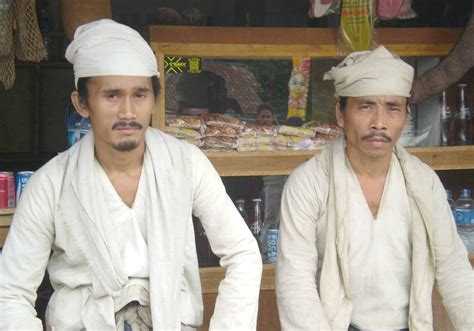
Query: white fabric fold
(371, 73)
(108, 48)
(168, 226)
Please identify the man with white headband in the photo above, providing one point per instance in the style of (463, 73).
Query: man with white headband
(365, 227)
(116, 212)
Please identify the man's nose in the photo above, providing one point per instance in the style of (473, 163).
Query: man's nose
(127, 108)
(378, 119)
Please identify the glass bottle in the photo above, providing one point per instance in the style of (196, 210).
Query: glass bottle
(240, 204)
(445, 129)
(257, 224)
(462, 119)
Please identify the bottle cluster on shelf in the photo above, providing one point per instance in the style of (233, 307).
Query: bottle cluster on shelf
(11, 187)
(456, 125)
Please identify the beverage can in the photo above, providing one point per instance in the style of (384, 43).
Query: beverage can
(21, 179)
(272, 244)
(7, 190)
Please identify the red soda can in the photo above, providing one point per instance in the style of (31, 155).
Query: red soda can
(7, 190)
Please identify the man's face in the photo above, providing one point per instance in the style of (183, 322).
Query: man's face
(372, 124)
(120, 108)
(265, 117)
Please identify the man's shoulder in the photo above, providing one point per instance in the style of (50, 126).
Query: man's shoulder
(313, 173)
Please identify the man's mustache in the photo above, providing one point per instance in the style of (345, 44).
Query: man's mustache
(126, 124)
(374, 134)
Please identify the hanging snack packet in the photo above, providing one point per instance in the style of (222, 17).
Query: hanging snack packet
(356, 31)
(395, 9)
(320, 8)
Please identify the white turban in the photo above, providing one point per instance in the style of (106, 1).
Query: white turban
(107, 48)
(371, 73)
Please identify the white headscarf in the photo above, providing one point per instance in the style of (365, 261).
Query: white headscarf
(107, 48)
(371, 73)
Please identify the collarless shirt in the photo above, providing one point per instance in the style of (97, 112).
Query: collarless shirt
(132, 239)
(380, 253)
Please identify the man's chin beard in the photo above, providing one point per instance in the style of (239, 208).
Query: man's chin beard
(126, 146)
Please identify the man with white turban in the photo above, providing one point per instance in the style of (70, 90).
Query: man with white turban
(116, 212)
(365, 227)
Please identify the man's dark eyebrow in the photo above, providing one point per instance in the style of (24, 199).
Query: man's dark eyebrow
(143, 89)
(367, 102)
(393, 103)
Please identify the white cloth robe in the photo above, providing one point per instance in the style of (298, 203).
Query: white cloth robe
(311, 273)
(59, 211)
(379, 253)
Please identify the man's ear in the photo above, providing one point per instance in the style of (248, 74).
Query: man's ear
(79, 105)
(339, 115)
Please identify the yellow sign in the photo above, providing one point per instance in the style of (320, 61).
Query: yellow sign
(174, 65)
(194, 65)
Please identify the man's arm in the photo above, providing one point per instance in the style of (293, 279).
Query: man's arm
(454, 274)
(298, 300)
(24, 258)
(237, 302)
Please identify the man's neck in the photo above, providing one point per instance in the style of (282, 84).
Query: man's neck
(113, 161)
(370, 167)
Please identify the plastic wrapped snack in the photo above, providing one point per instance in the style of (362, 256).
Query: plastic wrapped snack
(320, 8)
(183, 133)
(252, 129)
(395, 9)
(220, 142)
(195, 142)
(324, 128)
(224, 121)
(247, 148)
(214, 131)
(296, 131)
(188, 122)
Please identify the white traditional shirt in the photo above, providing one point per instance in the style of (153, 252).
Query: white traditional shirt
(380, 253)
(134, 251)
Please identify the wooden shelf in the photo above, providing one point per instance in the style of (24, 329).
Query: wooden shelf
(282, 163)
(274, 42)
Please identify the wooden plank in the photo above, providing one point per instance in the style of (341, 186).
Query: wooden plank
(5, 221)
(226, 42)
(7, 211)
(258, 163)
(255, 51)
(282, 163)
(292, 36)
(446, 158)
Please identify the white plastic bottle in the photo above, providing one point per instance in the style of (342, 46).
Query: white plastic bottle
(465, 218)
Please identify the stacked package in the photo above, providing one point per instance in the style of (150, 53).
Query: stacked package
(294, 138)
(324, 133)
(256, 138)
(221, 133)
(186, 127)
